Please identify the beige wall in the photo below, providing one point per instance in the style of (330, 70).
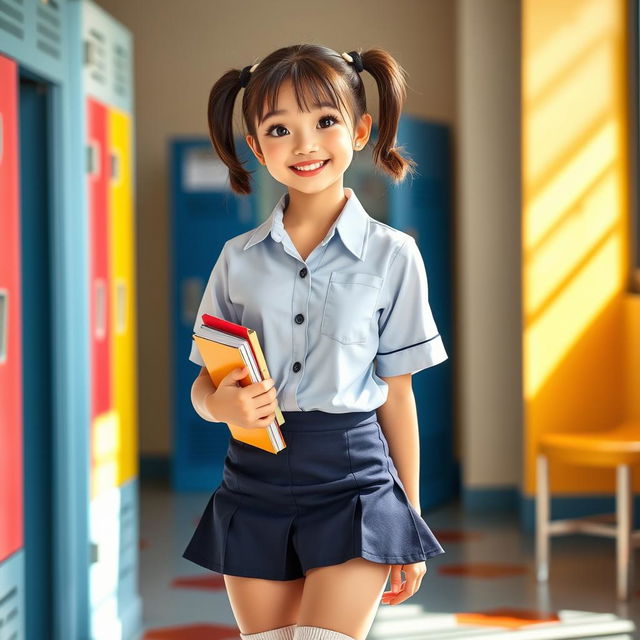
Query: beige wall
(488, 245)
(180, 50)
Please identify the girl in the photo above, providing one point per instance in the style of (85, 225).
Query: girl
(306, 538)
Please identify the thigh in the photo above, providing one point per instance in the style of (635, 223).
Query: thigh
(343, 597)
(259, 604)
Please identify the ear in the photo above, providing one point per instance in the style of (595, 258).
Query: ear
(363, 130)
(253, 145)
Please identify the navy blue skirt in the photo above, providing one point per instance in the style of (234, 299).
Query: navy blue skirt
(332, 494)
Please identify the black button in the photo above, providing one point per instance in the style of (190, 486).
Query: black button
(303, 272)
(297, 366)
(299, 318)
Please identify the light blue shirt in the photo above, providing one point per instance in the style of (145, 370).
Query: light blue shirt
(357, 308)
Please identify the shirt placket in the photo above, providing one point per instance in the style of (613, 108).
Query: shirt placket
(300, 316)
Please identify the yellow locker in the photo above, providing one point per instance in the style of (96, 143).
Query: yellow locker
(122, 259)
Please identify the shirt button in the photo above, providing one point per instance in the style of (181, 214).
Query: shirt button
(303, 272)
(297, 366)
(299, 318)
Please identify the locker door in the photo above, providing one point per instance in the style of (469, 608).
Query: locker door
(11, 487)
(123, 293)
(12, 597)
(421, 207)
(205, 213)
(103, 420)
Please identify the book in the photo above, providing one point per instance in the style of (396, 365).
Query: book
(225, 346)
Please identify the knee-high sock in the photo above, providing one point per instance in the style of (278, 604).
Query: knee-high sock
(281, 633)
(319, 633)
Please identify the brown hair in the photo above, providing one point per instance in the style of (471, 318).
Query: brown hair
(318, 74)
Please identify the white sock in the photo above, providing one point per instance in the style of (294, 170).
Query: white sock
(281, 633)
(318, 633)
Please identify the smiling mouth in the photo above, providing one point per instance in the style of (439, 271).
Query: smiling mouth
(310, 167)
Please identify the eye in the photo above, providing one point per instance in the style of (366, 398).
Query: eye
(328, 117)
(324, 118)
(273, 128)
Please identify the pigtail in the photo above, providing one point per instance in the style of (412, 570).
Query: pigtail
(392, 90)
(222, 99)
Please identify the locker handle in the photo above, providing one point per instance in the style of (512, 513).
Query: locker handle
(4, 324)
(101, 328)
(115, 167)
(93, 158)
(121, 306)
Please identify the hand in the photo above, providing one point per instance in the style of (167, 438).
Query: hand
(252, 406)
(401, 591)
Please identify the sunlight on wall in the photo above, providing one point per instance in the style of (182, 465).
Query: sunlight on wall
(575, 223)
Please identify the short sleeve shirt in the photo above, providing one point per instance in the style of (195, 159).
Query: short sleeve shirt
(333, 325)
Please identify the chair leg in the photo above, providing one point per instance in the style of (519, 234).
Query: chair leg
(624, 509)
(542, 518)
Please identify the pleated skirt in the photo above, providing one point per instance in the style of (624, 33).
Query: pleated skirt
(332, 494)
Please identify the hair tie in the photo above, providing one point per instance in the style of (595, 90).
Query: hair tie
(245, 74)
(355, 59)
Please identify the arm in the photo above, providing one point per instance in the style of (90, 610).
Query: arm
(201, 389)
(398, 419)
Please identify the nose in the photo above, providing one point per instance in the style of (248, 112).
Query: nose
(305, 143)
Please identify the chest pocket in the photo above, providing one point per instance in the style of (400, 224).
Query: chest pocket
(349, 306)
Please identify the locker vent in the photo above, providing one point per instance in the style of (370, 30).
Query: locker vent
(121, 67)
(95, 55)
(48, 36)
(12, 18)
(9, 618)
(128, 540)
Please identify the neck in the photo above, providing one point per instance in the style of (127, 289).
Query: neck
(314, 209)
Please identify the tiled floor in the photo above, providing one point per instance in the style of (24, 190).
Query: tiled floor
(488, 567)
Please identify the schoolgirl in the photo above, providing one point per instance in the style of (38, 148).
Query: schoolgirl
(307, 538)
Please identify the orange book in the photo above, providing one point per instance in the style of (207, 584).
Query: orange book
(225, 346)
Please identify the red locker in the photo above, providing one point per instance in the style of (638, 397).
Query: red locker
(99, 296)
(11, 489)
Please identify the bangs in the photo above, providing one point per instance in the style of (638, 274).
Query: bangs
(314, 85)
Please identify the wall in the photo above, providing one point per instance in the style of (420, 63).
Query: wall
(488, 251)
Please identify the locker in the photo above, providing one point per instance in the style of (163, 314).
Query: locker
(11, 507)
(106, 69)
(124, 380)
(102, 421)
(421, 206)
(12, 597)
(205, 212)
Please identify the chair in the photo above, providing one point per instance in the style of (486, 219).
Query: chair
(617, 448)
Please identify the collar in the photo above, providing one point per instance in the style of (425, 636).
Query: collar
(352, 225)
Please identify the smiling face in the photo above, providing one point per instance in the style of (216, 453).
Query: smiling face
(291, 138)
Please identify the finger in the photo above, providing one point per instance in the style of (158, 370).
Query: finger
(396, 579)
(269, 406)
(256, 389)
(266, 420)
(404, 594)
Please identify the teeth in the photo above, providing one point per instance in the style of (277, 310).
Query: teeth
(310, 167)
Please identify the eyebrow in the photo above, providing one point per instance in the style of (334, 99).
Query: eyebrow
(278, 112)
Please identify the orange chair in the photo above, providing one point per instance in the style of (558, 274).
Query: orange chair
(617, 448)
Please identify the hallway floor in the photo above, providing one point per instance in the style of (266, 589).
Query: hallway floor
(488, 570)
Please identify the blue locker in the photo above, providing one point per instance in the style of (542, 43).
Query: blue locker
(204, 214)
(421, 206)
